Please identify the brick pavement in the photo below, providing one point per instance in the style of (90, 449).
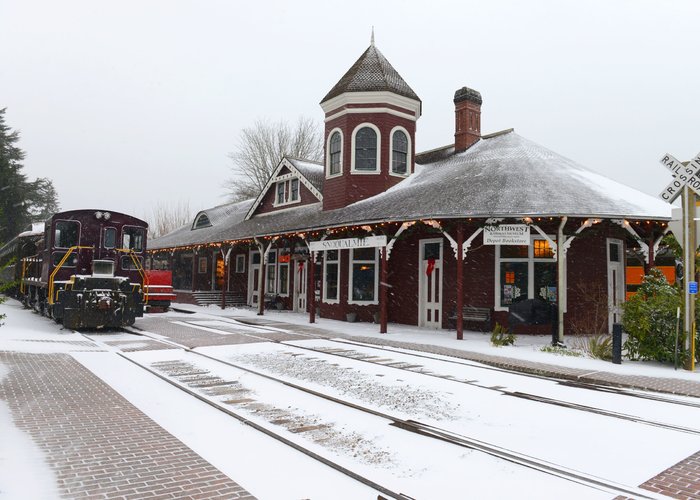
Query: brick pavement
(96, 442)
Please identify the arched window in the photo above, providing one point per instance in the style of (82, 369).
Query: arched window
(334, 154)
(399, 153)
(201, 221)
(366, 149)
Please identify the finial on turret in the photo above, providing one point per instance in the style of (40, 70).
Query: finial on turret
(371, 42)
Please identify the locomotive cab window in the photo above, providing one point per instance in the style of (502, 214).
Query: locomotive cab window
(127, 262)
(66, 234)
(71, 260)
(110, 238)
(133, 238)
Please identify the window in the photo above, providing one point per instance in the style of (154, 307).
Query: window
(399, 153)
(270, 270)
(67, 234)
(127, 262)
(240, 263)
(366, 149)
(110, 238)
(283, 272)
(294, 196)
(526, 272)
(202, 265)
(335, 154)
(363, 275)
(330, 276)
(287, 191)
(201, 221)
(133, 238)
(71, 261)
(280, 193)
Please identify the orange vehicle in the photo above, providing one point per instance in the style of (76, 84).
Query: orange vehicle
(635, 275)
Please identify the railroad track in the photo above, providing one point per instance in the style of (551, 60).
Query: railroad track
(413, 426)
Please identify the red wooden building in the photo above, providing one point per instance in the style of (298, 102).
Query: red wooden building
(461, 232)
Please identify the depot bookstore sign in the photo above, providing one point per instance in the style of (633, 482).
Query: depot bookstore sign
(507, 234)
(368, 242)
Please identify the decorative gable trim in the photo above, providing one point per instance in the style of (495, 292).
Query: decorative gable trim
(275, 178)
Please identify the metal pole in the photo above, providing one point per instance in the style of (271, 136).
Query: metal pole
(675, 344)
(692, 246)
(311, 287)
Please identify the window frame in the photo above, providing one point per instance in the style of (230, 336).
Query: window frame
(80, 232)
(326, 263)
(329, 172)
(530, 260)
(240, 263)
(378, 169)
(202, 269)
(280, 266)
(351, 262)
(143, 234)
(104, 237)
(409, 151)
(286, 181)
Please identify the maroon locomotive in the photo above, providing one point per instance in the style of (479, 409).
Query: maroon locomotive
(85, 270)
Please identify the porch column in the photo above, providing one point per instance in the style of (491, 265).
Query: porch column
(311, 287)
(383, 285)
(650, 261)
(261, 277)
(194, 268)
(460, 282)
(224, 285)
(561, 279)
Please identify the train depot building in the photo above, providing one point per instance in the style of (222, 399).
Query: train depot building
(450, 238)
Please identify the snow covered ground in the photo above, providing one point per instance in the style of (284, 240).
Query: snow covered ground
(479, 406)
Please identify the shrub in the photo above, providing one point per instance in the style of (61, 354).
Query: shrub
(502, 336)
(595, 346)
(650, 320)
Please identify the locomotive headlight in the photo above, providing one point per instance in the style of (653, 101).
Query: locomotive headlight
(106, 215)
(98, 215)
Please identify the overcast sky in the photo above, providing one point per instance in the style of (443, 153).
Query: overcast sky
(128, 104)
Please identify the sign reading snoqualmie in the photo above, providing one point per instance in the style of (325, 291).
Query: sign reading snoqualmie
(507, 234)
(368, 242)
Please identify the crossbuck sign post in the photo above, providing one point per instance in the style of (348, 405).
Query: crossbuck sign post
(687, 184)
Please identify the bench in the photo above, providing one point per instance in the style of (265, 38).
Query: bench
(475, 315)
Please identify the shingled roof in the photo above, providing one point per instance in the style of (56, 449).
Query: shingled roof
(502, 175)
(372, 72)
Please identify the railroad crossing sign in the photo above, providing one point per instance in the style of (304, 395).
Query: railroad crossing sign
(683, 175)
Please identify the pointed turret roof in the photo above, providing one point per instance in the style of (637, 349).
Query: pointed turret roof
(372, 72)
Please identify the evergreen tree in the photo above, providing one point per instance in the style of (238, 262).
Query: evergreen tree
(13, 183)
(21, 201)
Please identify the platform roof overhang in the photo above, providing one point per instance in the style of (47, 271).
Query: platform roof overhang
(502, 176)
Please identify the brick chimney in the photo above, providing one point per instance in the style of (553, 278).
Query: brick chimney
(467, 118)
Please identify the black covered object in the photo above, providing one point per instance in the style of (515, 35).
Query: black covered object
(531, 312)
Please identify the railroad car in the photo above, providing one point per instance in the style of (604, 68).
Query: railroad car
(84, 270)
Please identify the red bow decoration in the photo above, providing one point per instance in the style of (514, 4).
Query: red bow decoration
(431, 267)
(301, 266)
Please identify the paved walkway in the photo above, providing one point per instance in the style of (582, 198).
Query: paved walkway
(97, 443)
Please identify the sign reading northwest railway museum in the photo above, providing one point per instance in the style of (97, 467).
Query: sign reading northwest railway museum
(507, 234)
(368, 242)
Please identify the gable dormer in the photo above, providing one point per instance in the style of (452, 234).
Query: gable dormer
(370, 128)
(294, 182)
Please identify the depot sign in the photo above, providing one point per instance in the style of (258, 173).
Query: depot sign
(368, 242)
(507, 234)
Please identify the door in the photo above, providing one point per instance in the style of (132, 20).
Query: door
(616, 282)
(254, 278)
(430, 284)
(300, 286)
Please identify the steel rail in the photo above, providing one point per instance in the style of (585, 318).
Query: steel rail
(449, 436)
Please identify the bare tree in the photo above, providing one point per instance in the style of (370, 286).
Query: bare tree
(165, 217)
(260, 148)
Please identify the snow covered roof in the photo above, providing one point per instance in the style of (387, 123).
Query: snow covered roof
(312, 170)
(371, 72)
(502, 175)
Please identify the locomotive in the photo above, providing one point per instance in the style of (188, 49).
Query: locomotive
(85, 269)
